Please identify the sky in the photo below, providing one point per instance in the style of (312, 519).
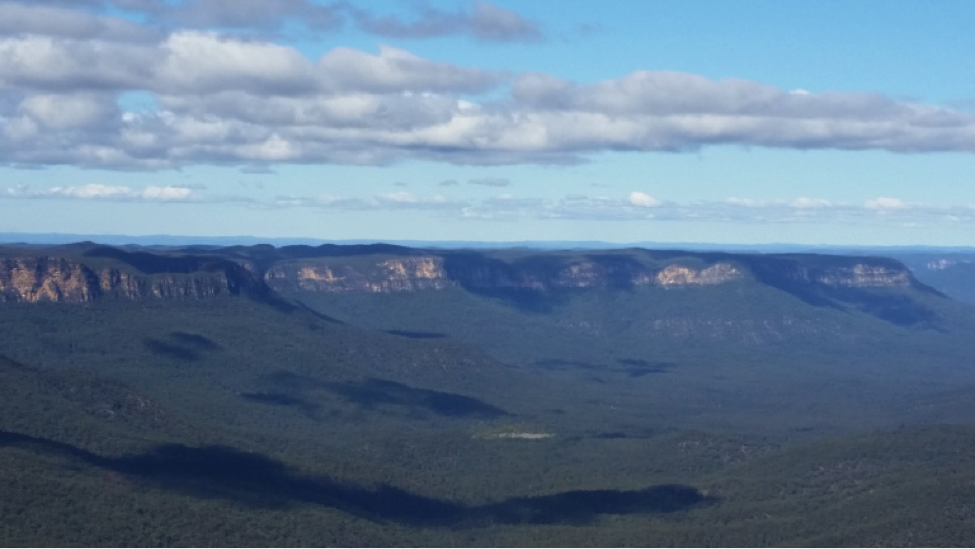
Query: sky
(833, 122)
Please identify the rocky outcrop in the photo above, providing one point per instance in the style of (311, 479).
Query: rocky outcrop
(416, 273)
(407, 274)
(863, 275)
(678, 275)
(46, 279)
(112, 272)
(859, 275)
(56, 279)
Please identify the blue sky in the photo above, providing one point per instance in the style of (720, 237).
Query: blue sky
(745, 122)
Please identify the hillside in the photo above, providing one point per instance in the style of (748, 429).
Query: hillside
(380, 395)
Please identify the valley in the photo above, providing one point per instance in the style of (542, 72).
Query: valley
(385, 395)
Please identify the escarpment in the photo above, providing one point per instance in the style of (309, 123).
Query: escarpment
(87, 274)
(46, 279)
(410, 274)
(75, 280)
(382, 276)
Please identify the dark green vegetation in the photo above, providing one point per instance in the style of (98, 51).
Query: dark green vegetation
(758, 412)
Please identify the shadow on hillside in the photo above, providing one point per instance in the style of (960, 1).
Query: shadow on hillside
(564, 365)
(900, 310)
(171, 350)
(310, 409)
(301, 305)
(635, 367)
(195, 341)
(261, 482)
(153, 263)
(286, 379)
(416, 335)
(375, 393)
(524, 283)
(286, 389)
(632, 367)
(240, 281)
(182, 346)
(618, 272)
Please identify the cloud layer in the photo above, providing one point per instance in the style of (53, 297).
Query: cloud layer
(636, 206)
(112, 193)
(69, 78)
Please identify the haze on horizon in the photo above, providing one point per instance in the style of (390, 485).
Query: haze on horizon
(672, 121)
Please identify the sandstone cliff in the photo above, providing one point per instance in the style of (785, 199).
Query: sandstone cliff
(861, 275)
(381, 274)
(59, 279)
(409, 274)
(99, 272)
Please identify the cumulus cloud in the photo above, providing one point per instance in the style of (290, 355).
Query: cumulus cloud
(22, 19)
(395, 70)
(205, 62)
(244, 100)
(643, 200)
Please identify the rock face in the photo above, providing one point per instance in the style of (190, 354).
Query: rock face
(57, 279)
(110, 272)
(678, 275)
(860, 275)
(412, 274)
(46, 279)
(390, 275)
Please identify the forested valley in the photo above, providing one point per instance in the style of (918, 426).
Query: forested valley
(386, 396)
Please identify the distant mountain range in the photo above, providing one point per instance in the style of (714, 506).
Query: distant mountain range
(43, 239)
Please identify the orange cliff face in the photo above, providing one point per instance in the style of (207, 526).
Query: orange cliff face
(407, 274)
(79, 279)
(678, 275)
(62, 280)
(33, 279)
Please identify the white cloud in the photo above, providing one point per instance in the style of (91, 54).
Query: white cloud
(91, 190)
(746, 202)
(885, 203)
(397, 71)
(64, 112)
(637, 206)
(165, 193)
(643, 200)
(118, 193)
(804, 202)
(205, 62)
(238, 99)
